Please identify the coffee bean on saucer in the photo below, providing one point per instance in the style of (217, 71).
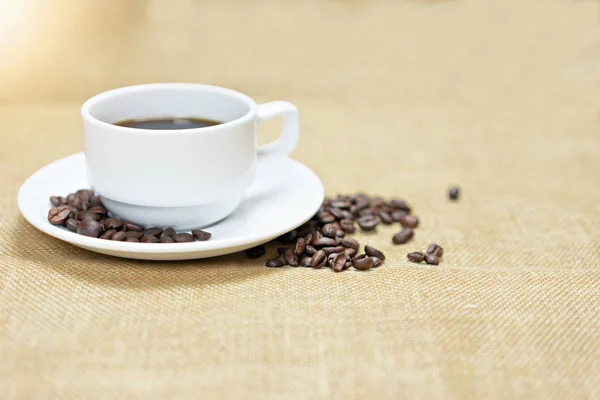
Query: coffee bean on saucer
(132, 240)
(58, 215)
(89, 227)
(403, 236)
(169, 232)
(153, 232)
(416, 256)
(275, 263)
(256, 252)
(108, 234)
(350, 243)
(85, 194)
(309, 250)
(373, 252)
(292, 258)
(81, 215)
(300, 246)
(348, 225)
(454, 193)
(363, 264)
(71, 224)
(183, 237)
(376, 262)
(119, 236)
(96, 201)
(97, 210)
(77, 203)
(113, 223)
(386, 218)
(133, 234)
(57, 201)
(128, 227)
(201, 235)
(432, 260)
(435, 249)
(409, 221)
(339, 261)
(368, 222)
(319, 259)
(165, 239)
(149, 239)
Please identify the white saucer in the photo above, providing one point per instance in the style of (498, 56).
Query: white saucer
(285, 195)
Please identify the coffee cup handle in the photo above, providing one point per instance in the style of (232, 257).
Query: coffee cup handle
(288, 139)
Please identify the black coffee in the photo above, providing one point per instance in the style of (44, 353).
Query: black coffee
(168, 123)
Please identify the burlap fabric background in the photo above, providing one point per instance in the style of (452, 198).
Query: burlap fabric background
(396, 98)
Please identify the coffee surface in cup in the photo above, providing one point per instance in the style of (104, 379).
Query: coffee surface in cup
(168, 123)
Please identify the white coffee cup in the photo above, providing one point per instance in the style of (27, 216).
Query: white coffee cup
(184, 178)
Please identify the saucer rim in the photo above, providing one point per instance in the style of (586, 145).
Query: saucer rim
(90, 243)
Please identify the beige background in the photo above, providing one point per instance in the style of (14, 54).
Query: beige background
(400, 97)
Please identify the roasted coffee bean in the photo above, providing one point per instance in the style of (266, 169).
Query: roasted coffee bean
(359, 256)
(113, 223)
(169, 232)
(324, 242)
(329, 230)
(330, 259)
(398, 214)
(326, 218)
(348, 225)
(386, 218)
(183, 237)
(71, 224)
(454, 193)
(165, 239)
(85, 195)
(318, 259)
(339, 261)
(409, 221)
(399, 204)
(373, 252)
(316, 235)
(350, 243)
(350, 252)
(58, 215)
(330, 250)
(289, 237)
(201, 235)
(292, 258)
(71, 197)
(340, 233)
(435, 249)
(89, 227)
(300, 246)
(362, 202)
(81, 215)
(337, 213)
(97, 210)
(57, 201)
(354, 210)
(132, 240)
(153, 232)
(403, 236)
(133, 234)
(282, 250)
(74, 212)
(308, 239)
(309, 250)
(96, 201)
(256, 252)
(119, 236)
(377, 202)
(432, 260)
(348, 264)
(77, 203)
(416, 256)
(368, 223)
(128, 226)
(149, 239)
(376, 261)
(102, 221)
(367, 212)
(363, 264)
(344, 204)
(108, 234)
(306, 261)
(274, 263)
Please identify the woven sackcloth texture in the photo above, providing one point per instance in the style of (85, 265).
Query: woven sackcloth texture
(397, 98)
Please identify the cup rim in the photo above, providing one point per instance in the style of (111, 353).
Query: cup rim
(87, 116)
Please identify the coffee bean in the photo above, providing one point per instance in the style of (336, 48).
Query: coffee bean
(316, 236)
(71, 224)
(201, 235)
(81, 215)
(58, 215)
(108, 234)
(363, 264)
(128, 226)
(367, 212)
(102, 221)
(183, 237)
(256, 252)
(348, 225)
(339, 261)
(274, 263)
(330, 250)
(119, 236)
(96, 201)
(329, 230)
(308, 238)
(77, 203)
(416, 256)
(330, 259)
(435, 249)
(398, 214)
(153, 232)
(292, 258)
(165, 239)
(97, 210)
(169, 232)
(386, 218)
(350, 252)
(403, 236)
(354, 211)
(373, 252)
(282, 250)
(350, 243)
(368, 223)
(409, 221)
(377, 202)
(348, 264)
(89, 227)
(431, 259)
(133, 234)
(318, 259)
(337, 213)
(309, 250)
(454, 193)
(376, 261)
(113, 223)
(306, 261)
(399, 204)
(289, 237)
(359, 256)
(344, 204)
(85, 195)
(132, 240)
(300, 246)
(57, 201)
(149, 239)
(71, 197)
(326, 218)
(324, 242)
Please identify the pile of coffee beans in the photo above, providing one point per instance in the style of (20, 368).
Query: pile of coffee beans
(432, 256)
(82, 212)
